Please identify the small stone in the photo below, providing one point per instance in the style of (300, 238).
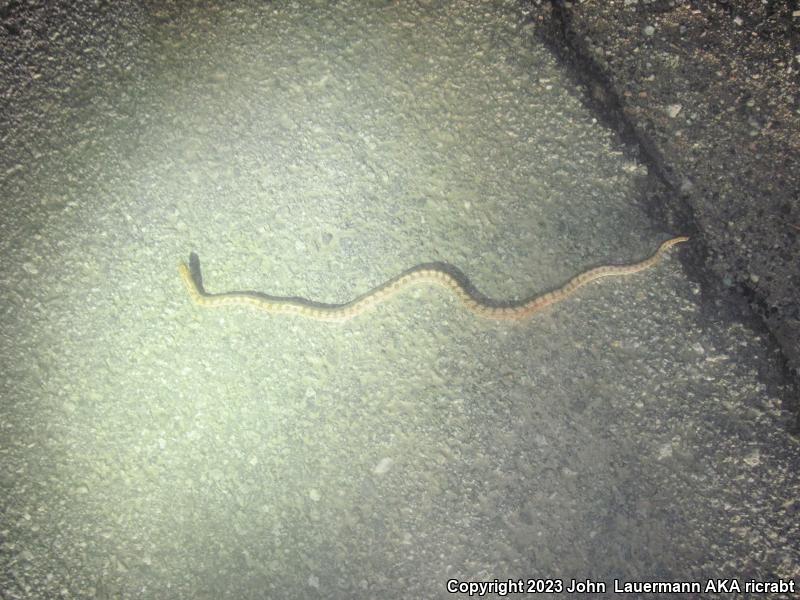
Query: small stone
(665, 451)
(673, 110)
(649, 30)
(753, 459)
(314, 495)
(383, 466)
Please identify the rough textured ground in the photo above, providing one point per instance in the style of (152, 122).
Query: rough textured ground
(709, 91)
(152, 448)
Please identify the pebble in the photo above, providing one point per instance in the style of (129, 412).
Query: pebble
(753, 459)
(383, 466)
(665, 451)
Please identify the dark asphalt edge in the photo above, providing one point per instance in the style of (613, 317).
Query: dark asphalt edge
(665, 203)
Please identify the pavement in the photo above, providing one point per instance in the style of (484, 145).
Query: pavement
(633, 435)
(706, 94)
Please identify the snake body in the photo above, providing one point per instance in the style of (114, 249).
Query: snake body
(437, 274)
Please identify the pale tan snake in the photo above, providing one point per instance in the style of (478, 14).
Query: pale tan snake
(438, 274)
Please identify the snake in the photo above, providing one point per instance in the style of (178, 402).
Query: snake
(441, 274)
